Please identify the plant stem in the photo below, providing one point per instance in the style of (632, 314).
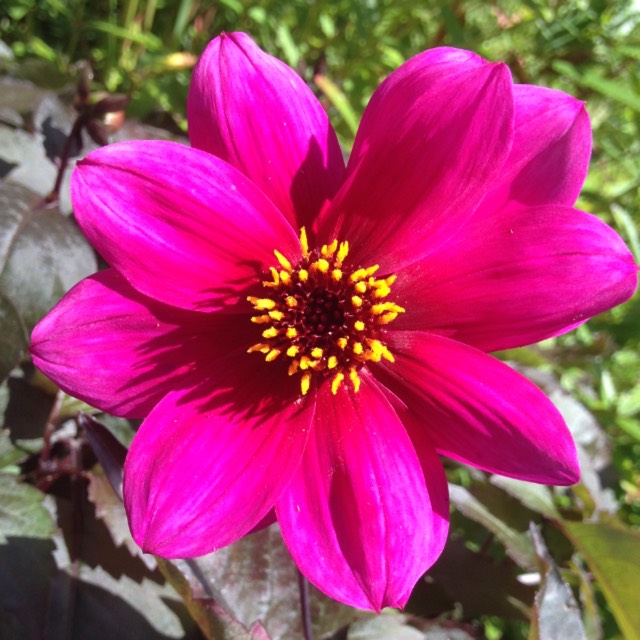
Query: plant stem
(305, 612)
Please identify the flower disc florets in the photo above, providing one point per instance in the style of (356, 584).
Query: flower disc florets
(326, 316)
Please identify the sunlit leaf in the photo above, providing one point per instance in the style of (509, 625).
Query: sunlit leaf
(613, 555)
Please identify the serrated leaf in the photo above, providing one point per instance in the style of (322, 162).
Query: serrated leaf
(253, 580)
(613, 555)
(21, 510)
(42, 255)
(555, 613)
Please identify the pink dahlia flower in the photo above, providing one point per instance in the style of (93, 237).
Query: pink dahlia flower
(306, 337)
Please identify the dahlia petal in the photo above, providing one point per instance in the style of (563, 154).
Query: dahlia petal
(255, 112)
(358, 517)
(432, 139)
(184, 227)
(550, 153)
(200, 475)
(515, 277)
(119, 351)
(477, 410)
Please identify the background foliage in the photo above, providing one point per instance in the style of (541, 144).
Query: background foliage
(522, 560)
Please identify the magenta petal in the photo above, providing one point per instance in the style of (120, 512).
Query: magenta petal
(359, 518)
(185, 227)
(515, 277)
(432, 139)
(477, 410)
(550, 153)
(119, 351)
(200, 475)
(255, 112)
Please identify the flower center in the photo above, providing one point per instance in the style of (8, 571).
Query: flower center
(325, 316)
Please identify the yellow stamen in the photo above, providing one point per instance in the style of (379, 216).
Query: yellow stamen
(342, 343)
(285, 276)
(357, 348)
(358, 325)
(260, 319)
(272, 355)
(261, 304)
(291, 302)
(330, 249)
(293, 367)
(336, 274)
(316, 353)
(361, 287)
(358, 275)
(332, 362)
(305, 383)
(276, 315)
(336, 382)
(291, 333)
(387, 317)
(261, 347)
(275, 275)
(321, 265)
(343, 251)
(271, 332)
(356, 301)
(304, 243)
(303, 275)
(292, 351)
(305, 362)
(283, 261)
(355, 379)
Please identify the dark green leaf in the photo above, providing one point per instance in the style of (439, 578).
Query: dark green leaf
(35, 241)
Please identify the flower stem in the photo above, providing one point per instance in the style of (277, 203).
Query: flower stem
(305, 612)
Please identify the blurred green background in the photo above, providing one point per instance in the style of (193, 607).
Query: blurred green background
(343, 48)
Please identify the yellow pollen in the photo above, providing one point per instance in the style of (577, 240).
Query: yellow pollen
(326, 316)
(275, 276)
(329, 249)
(283, 261)
(336, 382)
(304, 243)
(355, 379)
(262, 304)
(321, 265)
(260, 347)
(343, 252)
(271, 332)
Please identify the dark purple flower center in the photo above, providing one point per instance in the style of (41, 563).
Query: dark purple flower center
(326, 316)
